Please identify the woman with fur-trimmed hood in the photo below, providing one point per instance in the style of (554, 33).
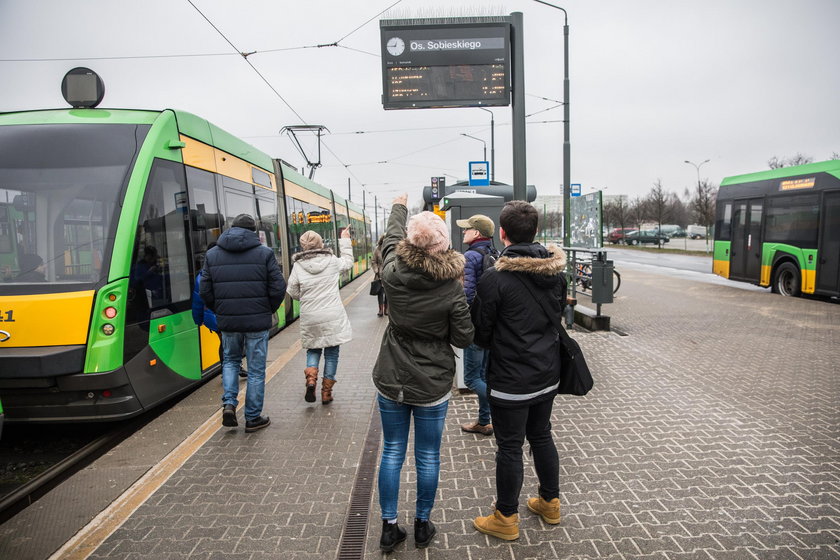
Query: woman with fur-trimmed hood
(413, 374)
(323, 321)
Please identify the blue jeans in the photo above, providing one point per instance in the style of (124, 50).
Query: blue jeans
(475, 377)
(255, 346)
(313, 358)
(428, 430)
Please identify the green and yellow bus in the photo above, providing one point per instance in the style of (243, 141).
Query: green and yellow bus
(781, 228)
(105, 216)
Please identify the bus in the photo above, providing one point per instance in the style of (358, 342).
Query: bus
(781, 228)
(105, 217)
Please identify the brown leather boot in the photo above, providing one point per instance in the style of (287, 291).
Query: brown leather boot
(311, 374)
(326, 390)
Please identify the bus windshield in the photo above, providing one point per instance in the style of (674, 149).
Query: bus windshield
(61, 186)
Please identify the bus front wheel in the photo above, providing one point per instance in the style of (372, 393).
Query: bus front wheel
(788, 280)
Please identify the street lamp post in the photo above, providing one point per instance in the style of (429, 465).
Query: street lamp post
(567, 173)
(492, 144)
(697, 167)
(480, 140)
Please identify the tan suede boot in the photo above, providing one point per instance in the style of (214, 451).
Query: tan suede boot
(311, 374)
(549, 511)
(326, 390)
(499, 526)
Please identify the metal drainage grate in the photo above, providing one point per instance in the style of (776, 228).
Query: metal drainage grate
(354, 535)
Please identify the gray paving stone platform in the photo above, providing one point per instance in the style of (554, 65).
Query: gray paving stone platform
(713, 433)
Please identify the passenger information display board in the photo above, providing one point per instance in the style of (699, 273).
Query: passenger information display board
(445, 64)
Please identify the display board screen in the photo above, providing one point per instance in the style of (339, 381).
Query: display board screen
(445, 65)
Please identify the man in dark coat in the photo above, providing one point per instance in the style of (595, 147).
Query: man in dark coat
(510, 313)
(478, 234)
(243, 285)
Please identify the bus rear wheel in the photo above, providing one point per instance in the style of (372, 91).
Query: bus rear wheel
(788, 280)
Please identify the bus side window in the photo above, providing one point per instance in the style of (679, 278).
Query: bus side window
(723, 228)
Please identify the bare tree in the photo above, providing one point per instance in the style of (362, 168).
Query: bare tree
(658, 203)
(616, 213)
(776, 162)
(679, 210)
(835, 155)
(637, 212)
(703, 204)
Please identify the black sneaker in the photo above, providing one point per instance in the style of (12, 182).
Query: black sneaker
(258, 423)
(392, 535)
(424, 532)
(229, 416)
(243, 373)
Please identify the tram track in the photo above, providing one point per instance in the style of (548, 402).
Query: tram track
(33, 488)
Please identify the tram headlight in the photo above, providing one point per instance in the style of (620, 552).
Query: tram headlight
(110, 312)
(108, 329)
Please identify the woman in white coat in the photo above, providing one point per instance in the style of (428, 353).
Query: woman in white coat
(323, 322)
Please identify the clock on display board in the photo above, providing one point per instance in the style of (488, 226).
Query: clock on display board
(395, 46)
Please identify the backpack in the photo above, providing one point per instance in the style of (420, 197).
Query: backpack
(489, 259)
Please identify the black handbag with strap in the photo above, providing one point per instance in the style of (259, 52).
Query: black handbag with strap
(575, 377)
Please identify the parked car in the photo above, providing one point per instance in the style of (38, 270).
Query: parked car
(696, 232)
(671, 230)
(617, 235)
(645, 236)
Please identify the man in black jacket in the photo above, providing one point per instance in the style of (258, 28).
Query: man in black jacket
(243, 285)
(510, 314)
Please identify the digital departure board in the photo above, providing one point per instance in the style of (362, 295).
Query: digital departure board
(445, 64)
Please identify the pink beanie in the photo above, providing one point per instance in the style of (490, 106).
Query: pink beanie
(427, 231)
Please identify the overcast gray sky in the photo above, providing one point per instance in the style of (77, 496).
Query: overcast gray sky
(653, 83)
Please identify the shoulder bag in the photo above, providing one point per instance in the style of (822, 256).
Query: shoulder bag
(575, 377)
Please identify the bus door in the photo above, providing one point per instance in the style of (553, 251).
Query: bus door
(828, 268)
(745, 253)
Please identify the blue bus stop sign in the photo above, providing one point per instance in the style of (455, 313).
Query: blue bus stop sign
(575, 190)
(478, 174)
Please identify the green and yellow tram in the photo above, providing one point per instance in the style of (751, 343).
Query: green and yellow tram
(781, 228)
(105, 216)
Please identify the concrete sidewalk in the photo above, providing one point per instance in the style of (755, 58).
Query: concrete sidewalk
(713, 432)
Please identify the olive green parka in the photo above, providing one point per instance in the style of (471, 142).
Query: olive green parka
(428, 315)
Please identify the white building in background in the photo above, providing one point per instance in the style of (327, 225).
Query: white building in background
(549, 203)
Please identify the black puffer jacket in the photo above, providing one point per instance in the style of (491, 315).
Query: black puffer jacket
(428, 313)
(524, 367)
(242, 282)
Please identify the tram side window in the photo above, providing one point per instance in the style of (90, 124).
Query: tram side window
(160, 273)
(205, 218)
(793, 220)
(267, 226)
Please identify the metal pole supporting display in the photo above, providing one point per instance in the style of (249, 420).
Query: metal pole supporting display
(520, 179)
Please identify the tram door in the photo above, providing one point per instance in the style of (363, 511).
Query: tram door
(828, 269)
(745, 254)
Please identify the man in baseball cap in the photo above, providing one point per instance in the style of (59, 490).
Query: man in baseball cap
(480, 223)
(478, 234)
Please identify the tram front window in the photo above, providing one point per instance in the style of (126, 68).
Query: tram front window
(60, 191)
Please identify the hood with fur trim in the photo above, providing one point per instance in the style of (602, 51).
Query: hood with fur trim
(447, 265)
(313, 261)
(532, 258)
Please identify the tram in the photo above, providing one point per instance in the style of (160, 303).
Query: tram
(105, 217)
